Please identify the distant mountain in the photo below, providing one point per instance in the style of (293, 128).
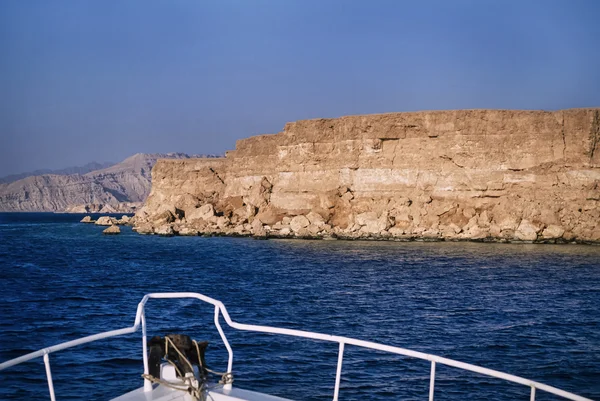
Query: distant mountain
(64, 171)
(117, 184)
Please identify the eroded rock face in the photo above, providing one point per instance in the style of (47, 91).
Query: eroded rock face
(458, 175)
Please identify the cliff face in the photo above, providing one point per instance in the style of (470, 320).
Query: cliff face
(117, 187)
(472, 174)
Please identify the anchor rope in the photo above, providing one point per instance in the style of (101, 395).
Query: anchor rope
(197, 389)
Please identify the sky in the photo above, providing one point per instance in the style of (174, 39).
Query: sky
(84, 81)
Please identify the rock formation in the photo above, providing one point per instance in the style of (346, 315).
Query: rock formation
(112, 230)
(122, 207)
(87, 219)
(106, 221)
(119, 188)
(486, 175)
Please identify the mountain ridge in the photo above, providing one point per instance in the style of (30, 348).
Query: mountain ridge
(86, 168)
(112, 186)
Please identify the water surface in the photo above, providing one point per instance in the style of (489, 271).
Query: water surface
(530, 310)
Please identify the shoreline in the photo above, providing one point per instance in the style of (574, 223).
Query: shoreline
(389, 238)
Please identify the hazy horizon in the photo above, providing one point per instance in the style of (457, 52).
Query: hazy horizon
(95, 81)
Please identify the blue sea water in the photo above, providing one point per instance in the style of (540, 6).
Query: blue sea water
(530, 310)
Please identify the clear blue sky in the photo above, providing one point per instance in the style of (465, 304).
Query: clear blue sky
(101, 80)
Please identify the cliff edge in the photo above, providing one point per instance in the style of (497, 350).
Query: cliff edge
(488, 175)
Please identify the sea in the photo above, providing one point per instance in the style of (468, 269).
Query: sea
(529, 310)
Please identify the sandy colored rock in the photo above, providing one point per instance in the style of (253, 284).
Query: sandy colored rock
(187, 231)
(76, 209)
(270, 215)
(106, 221)
(162, 218)
(526, 231)
(313, 229)
(112, 230)
(371, 223)
(303, 233)
(259, 194)
(298, 223)
(258, 230)
(315, 219)
(144, 228)
(204, 212)
(466, 174)
(87, 219)
(553, 232)
(108, 209)
(120, 207)
(164, 230)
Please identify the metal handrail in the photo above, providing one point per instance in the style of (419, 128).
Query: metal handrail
(140, 319)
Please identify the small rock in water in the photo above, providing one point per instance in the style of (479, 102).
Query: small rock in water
(124, 220)
(106, 221)
(112, 230)
(87, 219)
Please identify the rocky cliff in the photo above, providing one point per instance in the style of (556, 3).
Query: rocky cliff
(120, 187)
(472, 174)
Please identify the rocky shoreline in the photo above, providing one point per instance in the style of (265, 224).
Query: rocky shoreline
(312, 227)
(476, 175)
(99, 208)
(369, 227)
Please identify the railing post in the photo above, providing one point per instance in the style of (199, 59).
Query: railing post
(147, 383)
(432, 381)
(49, 376)
(532, 398)
(338, 374)
(229, 350)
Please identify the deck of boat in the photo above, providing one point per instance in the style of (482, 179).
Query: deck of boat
(216, 393)
(162, 393)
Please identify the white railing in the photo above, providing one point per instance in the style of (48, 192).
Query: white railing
(140, 319)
